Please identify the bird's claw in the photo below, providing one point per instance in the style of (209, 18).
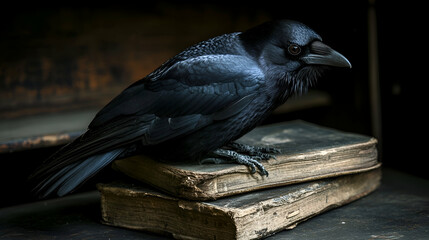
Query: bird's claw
(229, 156)
(264, 152)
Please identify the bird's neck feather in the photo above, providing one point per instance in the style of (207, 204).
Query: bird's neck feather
(297, 82)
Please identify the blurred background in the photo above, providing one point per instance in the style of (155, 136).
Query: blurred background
(60, 64)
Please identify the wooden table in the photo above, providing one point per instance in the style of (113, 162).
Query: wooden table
(399, 209)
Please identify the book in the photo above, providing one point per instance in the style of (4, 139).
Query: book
(308, 152)
(251, 215)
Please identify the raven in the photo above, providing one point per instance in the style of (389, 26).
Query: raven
(196, 104)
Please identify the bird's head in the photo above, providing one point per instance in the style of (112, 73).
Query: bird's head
(292, 52)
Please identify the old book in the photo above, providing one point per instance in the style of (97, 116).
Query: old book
(308, 152)
(246, 216)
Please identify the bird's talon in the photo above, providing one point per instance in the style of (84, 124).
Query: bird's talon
(252, 169)
(264, 173)
(231, 156)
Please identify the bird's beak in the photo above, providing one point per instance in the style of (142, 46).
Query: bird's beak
(322, 54)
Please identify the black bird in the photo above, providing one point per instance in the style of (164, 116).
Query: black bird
(197, 103)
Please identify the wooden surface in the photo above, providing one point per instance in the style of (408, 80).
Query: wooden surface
(397, 210)
(308, 152)
(43, 130)
(246, 216)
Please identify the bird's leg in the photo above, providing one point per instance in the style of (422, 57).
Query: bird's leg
(229, 156)
(261, 153)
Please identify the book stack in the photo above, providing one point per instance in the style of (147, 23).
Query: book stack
(318, 169)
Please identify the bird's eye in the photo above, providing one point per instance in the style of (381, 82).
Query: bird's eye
(294, 49)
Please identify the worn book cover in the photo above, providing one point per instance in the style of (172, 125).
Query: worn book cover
(308, 152)
(252, 215)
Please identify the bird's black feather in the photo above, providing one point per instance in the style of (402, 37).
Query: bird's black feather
(196, 102)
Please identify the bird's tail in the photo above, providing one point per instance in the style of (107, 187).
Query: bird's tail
(73, 175)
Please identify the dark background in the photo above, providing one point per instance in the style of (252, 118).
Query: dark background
(55, 59)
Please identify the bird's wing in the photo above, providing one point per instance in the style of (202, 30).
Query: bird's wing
(201, 85)
(189, 95)
(185, 97)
